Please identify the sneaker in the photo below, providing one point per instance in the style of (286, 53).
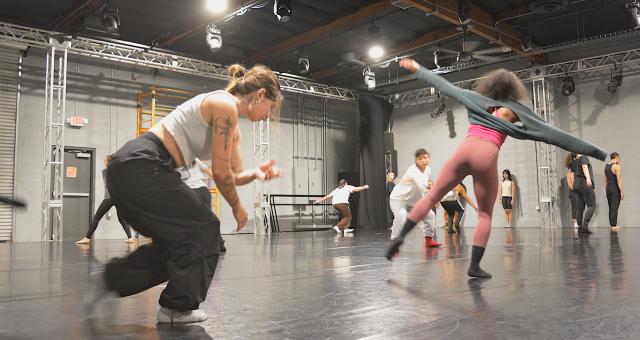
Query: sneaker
(337, 230)
(430, 243)
(508, 226)
(166, 315)
(348, 230)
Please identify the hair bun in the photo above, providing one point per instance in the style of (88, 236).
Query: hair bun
(236, 71)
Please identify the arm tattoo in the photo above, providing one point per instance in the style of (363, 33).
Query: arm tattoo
(223, 127)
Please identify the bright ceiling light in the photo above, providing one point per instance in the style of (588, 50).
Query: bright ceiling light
(216, 6)
(376, 52)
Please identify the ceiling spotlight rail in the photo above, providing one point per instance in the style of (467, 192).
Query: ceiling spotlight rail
(559, 70)
(16, 35)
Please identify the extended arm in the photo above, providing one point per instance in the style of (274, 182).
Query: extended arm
(362, 188)
(264, 172)
(468, 199)
(323, 199)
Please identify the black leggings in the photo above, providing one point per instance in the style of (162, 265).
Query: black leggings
(451, 207)
(104, 207)
(185, 232)
(613, 198)
(585, 196)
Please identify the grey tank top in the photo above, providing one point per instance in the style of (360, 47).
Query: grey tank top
(192, 134)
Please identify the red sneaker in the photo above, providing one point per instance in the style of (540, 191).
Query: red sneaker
(430, 243)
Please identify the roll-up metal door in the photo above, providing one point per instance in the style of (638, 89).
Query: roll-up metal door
(9, 79)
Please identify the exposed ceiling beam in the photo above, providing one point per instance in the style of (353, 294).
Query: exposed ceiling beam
(79, 9)
(237, 5)
(482, 23)
(343, 22)
(398, 50)
(513, 13)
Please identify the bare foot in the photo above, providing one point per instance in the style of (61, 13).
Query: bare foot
(130, 240)
(84, 241)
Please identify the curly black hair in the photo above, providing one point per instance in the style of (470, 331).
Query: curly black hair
(501, 85)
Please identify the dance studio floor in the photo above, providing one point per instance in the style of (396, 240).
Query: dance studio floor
(316, 285)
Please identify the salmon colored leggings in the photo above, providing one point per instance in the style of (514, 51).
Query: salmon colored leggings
(477, 157)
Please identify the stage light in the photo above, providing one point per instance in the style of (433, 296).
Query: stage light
(615, 81)
(376, 52)
(303, 65)
(369, 78)
(216, 6)
(213, 37)
(110, 18)
(282, 9)
(568, 86)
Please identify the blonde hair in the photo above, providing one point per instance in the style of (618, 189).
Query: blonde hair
(244, 82)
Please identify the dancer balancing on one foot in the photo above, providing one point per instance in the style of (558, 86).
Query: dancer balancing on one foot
(494, 112)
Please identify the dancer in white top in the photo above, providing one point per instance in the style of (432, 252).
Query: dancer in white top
(507, 192)
(340, 201)
(412, 186)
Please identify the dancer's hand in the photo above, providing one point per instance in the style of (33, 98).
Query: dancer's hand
(622, 195)
(366, 186)
(267, 171)
(589, 183)
(409, 64)
(241, 216)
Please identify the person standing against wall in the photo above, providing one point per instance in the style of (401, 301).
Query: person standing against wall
(615, 190)
(507, 192)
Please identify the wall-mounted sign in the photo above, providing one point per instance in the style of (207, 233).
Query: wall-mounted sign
(72, 172)
(77, 121)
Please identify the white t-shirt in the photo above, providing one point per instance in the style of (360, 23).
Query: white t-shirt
(412, 185)
(341, 195)
(197, 178)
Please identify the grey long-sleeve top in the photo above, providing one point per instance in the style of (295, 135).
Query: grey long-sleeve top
(532, 127)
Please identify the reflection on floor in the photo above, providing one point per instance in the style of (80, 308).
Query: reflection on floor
(316, 285)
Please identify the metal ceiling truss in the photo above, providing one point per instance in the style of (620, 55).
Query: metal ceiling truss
(11, 34)
(629, 59)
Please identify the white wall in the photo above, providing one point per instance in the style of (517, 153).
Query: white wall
(105, 93)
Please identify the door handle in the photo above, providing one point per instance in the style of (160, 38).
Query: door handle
(75, 194)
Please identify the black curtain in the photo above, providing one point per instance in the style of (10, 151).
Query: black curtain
(375, 113)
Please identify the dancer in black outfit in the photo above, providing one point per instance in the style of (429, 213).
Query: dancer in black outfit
(585, 192)
(568, 163)
(103, 208)
(615, 192)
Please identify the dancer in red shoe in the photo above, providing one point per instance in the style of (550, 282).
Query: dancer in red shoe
(409, 190)
(494, 112)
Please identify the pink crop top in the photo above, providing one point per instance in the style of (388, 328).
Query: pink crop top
(496, 137)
